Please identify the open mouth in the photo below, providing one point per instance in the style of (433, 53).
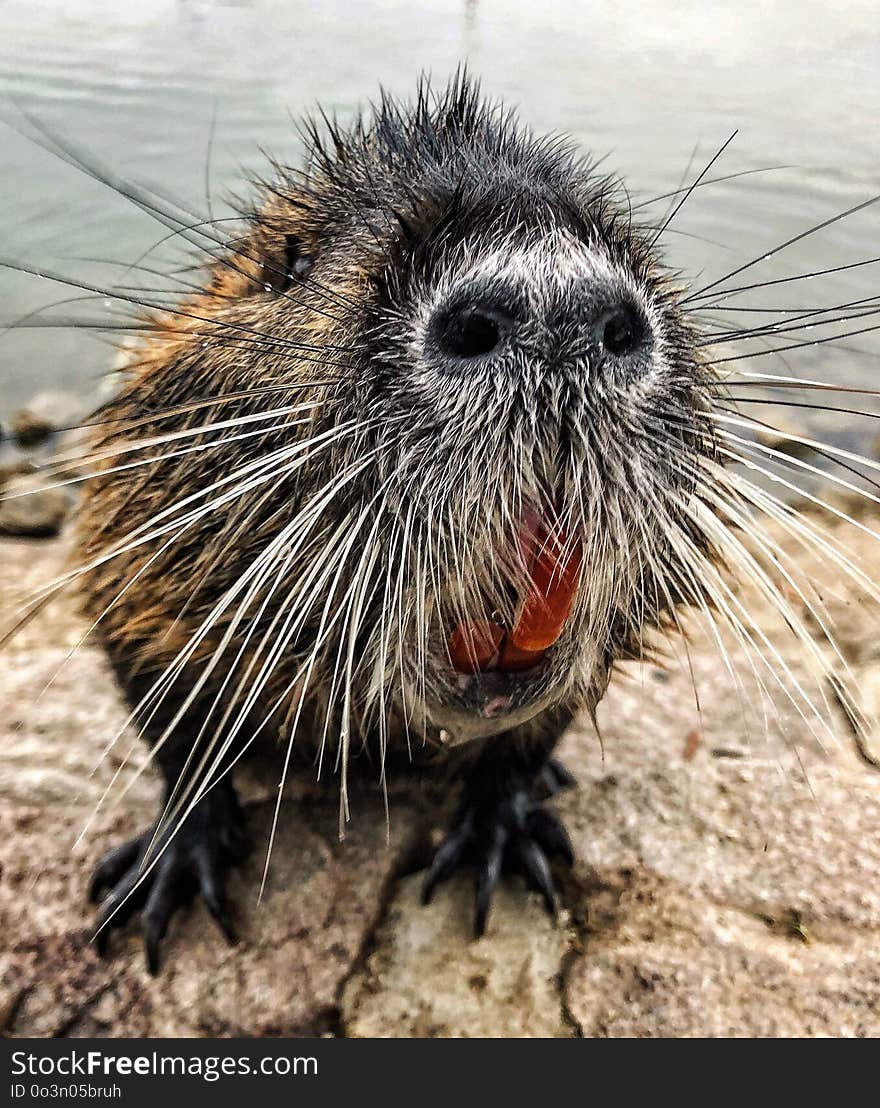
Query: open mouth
(497, 668)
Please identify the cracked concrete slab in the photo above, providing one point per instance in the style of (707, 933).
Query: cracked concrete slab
(427, 977)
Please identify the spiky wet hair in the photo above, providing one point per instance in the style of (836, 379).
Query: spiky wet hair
(414, 177)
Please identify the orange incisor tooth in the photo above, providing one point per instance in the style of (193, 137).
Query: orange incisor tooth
(555, 577)
(473, 645)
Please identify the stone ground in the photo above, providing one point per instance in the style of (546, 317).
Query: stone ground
(726, 881)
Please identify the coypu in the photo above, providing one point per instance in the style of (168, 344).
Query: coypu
(432, 448)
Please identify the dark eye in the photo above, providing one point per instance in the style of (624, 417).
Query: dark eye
(620, 331)
(286, 268)
(471, 331)
(297, 265)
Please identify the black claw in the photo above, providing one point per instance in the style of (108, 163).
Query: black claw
(448, 856)
(487, 877)
(124, 900)
(101, 940)
(121, 904)
(564, 779)
(152, 938)
(224, 922)
(537, 872)
(555, 777)
(210, 878)
(113, 866)
(151, 952)
(547, 829)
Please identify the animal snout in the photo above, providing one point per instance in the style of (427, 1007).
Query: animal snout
(599, 324)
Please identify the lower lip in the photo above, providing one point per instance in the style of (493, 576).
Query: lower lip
(492, 692)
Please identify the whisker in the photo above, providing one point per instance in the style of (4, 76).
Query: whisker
(710, 181)
(163, 213)
(797, 345)
(689, 191)
(263, 337)
(808, 275)
(782, 246)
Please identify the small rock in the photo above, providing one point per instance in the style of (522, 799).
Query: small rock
(30, 507)
(14, 468)
(45, 414)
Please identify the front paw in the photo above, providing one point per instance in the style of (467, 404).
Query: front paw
(500, 830)
(156, 875)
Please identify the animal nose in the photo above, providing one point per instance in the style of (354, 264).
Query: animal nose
(474, 330)
(619, 330)
(471, 330)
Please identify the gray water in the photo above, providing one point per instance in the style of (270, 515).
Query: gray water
(182, 94)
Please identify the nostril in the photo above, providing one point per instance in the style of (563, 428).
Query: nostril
(620, 330)
(471, 331)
